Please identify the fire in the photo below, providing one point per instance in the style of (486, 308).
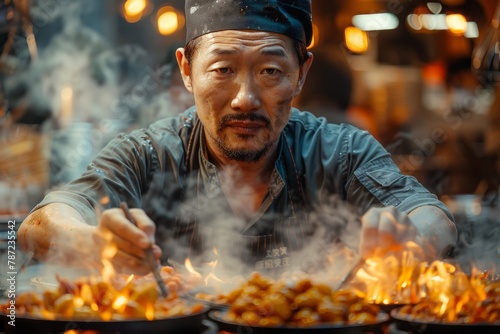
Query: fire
(209, 267)
(150, 311)
(391, 279)
(107, 253)
(451, 290)
(92, 298)
(452, 296)
(110, 296)
(120, 302)
(191, 270)
(211, 275)
(436, 291)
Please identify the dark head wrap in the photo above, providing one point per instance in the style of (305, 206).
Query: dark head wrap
(292, 18)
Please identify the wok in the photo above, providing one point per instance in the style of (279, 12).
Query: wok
(191, 323)
(218, 316)
(418, 326)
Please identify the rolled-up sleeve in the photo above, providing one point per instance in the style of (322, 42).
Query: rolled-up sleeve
(342, 160)
(375, 180)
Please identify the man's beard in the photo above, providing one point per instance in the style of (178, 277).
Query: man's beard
(243, 155)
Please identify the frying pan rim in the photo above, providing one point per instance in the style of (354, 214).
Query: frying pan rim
(226, 325)
(413, 322)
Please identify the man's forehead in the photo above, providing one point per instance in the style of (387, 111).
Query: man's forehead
(234, 38)
(267, 51)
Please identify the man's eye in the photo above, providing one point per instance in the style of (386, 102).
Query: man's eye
(223, 70)
(271, 71)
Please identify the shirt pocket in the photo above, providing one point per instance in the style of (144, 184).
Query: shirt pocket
(389, 187)
(384, 178)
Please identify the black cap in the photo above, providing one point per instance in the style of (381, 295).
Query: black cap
(292, 18)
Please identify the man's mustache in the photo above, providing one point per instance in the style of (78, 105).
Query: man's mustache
(244, 117)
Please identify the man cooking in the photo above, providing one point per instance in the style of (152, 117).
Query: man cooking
(241, 154)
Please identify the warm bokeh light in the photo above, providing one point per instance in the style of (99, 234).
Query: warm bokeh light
(169, 20)
(133, 10)
(315, 37)
(457, 23)
(167, 23)
(134, 7)
(356, 40)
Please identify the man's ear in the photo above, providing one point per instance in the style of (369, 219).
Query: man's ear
(184, 68)
(303, 73)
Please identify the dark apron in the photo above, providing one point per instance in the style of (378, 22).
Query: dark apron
(269, 251)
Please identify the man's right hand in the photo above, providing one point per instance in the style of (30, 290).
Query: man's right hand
(59, 234)
(131, 241)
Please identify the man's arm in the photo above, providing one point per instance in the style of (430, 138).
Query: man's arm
(57, 233)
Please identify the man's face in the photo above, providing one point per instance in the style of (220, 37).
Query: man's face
(243, 85)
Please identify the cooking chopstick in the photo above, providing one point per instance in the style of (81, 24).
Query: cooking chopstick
(153, 265)
(351, 273)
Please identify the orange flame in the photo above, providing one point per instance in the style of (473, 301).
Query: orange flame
(392, 279)
(150, 311)
(107, 253)
(451, 290)
(210, 266)
(442, 290)
(190, 268)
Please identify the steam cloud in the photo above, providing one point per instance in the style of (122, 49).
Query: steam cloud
(330, 245)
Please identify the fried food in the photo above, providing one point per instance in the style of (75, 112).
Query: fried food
(118, 299)
(263, 302)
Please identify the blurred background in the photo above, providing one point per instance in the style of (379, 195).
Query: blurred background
(421, 76)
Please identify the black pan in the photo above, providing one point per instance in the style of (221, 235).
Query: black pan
(183, 324)
(218, 316)
(403, 323)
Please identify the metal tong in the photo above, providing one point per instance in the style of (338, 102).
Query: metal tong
(153, 264)
(351, 273)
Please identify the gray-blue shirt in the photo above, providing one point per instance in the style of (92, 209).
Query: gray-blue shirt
(164, 170)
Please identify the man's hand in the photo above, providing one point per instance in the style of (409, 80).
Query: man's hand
(385, 230)
(131, 241)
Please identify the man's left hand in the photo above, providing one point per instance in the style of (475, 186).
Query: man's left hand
(385, 230)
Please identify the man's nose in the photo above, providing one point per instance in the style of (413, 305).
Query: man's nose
(247, 98)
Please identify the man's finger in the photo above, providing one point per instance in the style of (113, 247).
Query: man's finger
(144, 223)
(115, 221)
